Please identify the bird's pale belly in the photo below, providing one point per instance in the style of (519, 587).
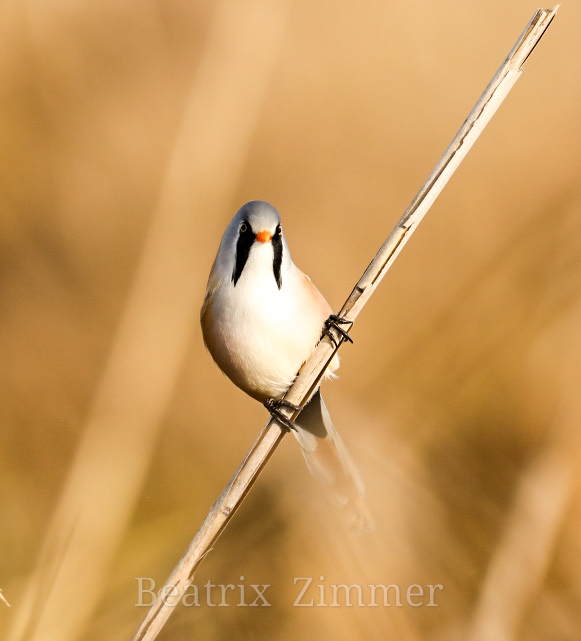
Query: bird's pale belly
(260, 347)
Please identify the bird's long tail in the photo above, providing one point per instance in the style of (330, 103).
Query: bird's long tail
(329, 462)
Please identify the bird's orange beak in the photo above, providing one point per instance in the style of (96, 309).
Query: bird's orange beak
(264, 236)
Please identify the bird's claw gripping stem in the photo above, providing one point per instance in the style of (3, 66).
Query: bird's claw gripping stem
(335, 322)
(273, 405)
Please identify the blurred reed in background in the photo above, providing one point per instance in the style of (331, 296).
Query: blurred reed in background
(132, 133)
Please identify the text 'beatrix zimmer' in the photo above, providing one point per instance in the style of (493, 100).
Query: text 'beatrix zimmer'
(307, 592)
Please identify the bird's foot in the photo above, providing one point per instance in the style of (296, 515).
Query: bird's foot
(335, 322)
(273, 405)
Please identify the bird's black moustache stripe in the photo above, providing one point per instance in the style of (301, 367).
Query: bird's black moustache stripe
(245, 242)
(277, 259)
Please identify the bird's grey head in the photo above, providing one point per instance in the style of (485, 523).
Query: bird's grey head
(255, 224)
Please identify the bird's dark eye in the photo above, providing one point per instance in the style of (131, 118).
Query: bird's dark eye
(278, 230)
(243, 228)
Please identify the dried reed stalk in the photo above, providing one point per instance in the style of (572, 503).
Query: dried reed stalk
(312, 371)
(3, 599)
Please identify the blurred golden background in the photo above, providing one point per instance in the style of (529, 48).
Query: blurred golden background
(132, 132)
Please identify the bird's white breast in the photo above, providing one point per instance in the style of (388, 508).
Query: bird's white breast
(258, 334)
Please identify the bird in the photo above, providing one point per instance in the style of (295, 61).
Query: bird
(261, 318)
